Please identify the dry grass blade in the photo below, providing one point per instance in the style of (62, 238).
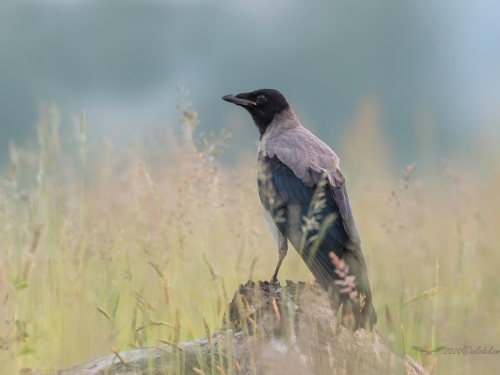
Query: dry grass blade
(277, 313)
(37, 230)
(409, 171)
(207, 331)
(433, 367)
(403, 339)
(388, 317)
(157, 268)
(150, 182)
(221, 370)
(252, 267)
(246, 305)
(318, 239)
(153, 323)
(346, 282)
(337, 262)
(248, 311)
(164, 280)
(425, 295)
(213, 274)
(165, 350)
(338, 323)
(117, 354)
(166, 294)
(198, 371)
(103, 312)
(143, 302)
(173, 345)
(362, 298)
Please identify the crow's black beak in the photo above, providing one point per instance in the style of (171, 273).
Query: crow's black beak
(239, 99)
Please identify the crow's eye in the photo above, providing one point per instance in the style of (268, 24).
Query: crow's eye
(261, 99)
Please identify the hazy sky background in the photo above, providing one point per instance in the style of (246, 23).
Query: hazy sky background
(120, 60)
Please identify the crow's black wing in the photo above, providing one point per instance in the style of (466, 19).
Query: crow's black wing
(289, 201)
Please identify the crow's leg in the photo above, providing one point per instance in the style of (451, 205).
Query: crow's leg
(282, 250)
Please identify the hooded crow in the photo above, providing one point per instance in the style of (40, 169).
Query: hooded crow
(305, 199)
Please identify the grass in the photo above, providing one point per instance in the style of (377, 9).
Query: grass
(111, 248)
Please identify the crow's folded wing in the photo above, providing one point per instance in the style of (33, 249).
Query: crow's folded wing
(289, 200)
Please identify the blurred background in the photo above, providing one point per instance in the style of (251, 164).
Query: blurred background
(118, 215)
(429, 69)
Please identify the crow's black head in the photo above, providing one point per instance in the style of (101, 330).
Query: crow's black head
(262, 104)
